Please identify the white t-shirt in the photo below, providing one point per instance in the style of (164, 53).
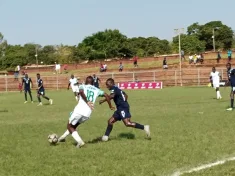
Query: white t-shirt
(215, 77)
(91, 93)
(105, 66)
(72, 83)
(190, 57)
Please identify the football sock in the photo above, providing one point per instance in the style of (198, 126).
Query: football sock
(108, 130)
(25, 96)
(76, 98)
(31, 96)
(76, 137)
(66, 133)
(47, 98)
(217, 92)
(39, 99)
(139, 126)
(232, 101)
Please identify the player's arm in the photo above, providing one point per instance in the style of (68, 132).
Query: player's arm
(31, 82)
(22, 82)
(69, 85)
(107, 98)
(126, 96)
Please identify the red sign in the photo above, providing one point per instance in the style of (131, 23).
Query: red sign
(140, 85)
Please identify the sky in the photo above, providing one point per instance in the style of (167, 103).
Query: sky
(68, 22)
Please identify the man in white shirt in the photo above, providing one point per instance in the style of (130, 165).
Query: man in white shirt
(73, 82)
(215, 81)
(105, 67)
(82, 112)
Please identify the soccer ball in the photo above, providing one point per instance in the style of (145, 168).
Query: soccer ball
(105, 138)
(52, 139)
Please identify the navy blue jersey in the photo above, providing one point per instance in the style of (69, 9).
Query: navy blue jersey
(119, 98)
(231, 76)
(26, 82)
(40, 83)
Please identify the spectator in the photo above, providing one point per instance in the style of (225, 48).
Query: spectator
(182, 54)
(17, 71)
(135, 61)
(120, 67)
(198, 58)
(165, 63)
(218, 56)
(105, 67)
(190, 59)
(65, 68)
(202, 58)
(101, 67)
(229, 55)
(195, 58)
(97, 81)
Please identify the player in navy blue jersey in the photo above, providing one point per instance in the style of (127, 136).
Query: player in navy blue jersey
(41, 91)
(231, 79)
(26, 83)
(122, 112)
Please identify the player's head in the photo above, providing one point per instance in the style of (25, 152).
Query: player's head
(89, 80)
(38, 75)
(94, 75)
(213, 69)
(228, 66)
(26, 75)
(72, 76)
(110, 83)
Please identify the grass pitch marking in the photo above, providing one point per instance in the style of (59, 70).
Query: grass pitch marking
(204, 166)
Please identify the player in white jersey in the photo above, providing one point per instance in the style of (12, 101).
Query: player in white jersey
(73, 82)
(82, 112)
(215, 81)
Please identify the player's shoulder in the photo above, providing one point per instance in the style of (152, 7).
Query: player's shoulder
(115, 89)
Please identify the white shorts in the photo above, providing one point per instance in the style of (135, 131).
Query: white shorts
(77, 118)
(75, 89)
(216, 84)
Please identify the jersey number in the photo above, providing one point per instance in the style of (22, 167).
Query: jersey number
(90, 95)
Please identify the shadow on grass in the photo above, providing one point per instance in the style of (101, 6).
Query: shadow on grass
(94, 141)
(126, 135)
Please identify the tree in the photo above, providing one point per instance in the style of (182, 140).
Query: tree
(223, 34)
(189, 43)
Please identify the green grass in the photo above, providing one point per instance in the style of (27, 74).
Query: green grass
(188, 128)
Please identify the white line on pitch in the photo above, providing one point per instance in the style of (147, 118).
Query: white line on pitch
(203, 167)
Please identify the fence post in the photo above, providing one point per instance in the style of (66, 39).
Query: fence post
(198, 77)
(57, 82)
(6, 83)
(222, 74)
(175, 78)
(154, 76)
(133, 76)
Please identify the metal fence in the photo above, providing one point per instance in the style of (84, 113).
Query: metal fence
(189, 77)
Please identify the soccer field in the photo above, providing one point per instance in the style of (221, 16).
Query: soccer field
(189, 128)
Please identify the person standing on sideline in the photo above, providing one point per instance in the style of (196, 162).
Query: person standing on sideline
(231, 80)
(165, 63)
(182, 55)
(96, 81)
(218, 56)
(229, 55)
(135, 61)
(120, 67)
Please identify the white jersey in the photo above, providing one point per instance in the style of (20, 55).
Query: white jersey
(91, 93)
(73, 85)
(215, 76)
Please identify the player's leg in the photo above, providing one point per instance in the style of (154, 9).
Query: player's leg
(25, 96)
(109, 128)
(75, 94)
(128, 123)
(75, 120)
(47, 98)
(218, 93)
(39, 99)
(231, 99)
(30, 94)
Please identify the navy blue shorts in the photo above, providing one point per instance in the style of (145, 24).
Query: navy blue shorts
(41, 92)
(122, 114)
(27, 90)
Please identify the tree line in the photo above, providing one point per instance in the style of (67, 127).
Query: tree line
(114, 44)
